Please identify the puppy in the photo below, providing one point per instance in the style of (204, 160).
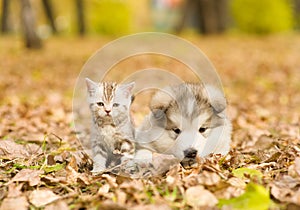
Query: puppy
(187, 121)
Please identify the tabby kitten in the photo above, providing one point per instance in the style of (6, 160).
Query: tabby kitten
(112, 132)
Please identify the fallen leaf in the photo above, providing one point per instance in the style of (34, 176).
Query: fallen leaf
(151, 207)
(41, 198)
(296, 197)
(103, 189)
(294, 169)
(198, 196)
(208, 178)
(255, 197)
(263, 142)
(71, 170)
(287, 182)
(236, 182)
(121, 197)
(57, 205)
(163, 162)
(28, 175)
(11, 150)
(19, 203)
(53, 168)
(14, 190)
(242, 172)
(108, 205)
(281, 194)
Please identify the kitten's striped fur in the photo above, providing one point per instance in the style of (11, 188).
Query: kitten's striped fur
(111, 131)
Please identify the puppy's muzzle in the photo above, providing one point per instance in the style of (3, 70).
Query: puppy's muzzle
(189, 159)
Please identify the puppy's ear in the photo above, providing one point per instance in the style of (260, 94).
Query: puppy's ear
(160, 102)
(216, 98)
(158, 114)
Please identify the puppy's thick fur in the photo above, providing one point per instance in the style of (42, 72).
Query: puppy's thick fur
(186, 120)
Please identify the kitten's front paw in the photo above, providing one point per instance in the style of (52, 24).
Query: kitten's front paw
(98, 164)
(97, 170)
(125, 148)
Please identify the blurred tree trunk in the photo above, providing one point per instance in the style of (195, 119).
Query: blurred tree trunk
(80, 17)
(28, 21)
(212, 15)
(208, 16)
(5, 28)
(47, 4)
(187, 7)
(222, 13)
(296, 4)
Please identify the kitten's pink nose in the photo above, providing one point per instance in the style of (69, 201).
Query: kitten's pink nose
(107, 111)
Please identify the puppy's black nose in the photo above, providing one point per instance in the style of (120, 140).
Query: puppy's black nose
(190, 153)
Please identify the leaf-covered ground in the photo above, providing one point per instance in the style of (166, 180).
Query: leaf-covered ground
(42, 164)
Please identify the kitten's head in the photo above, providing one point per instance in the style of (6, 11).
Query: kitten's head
(109, 99)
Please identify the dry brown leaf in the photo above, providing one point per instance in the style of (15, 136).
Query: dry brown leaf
(151, 207)
(190, 180)
(111, 180)
(11, 150)
(236, 182)
(28, 175)
(54, 179)
(14, 190)
(57, 205)
(287, 182)
(294, 169)
(73, 176)
(19, 203)
(209, 178)
(229, 192)
(162, 163)
(135, 185)
(41, 198)
(173, 176)
(121, 197)
(109, 205)
(263, 142)
(197, 196)
(296, 197)
(281, 194)
(104, 189)
(71, 170)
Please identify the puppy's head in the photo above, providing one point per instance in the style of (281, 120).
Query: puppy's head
(190, 114)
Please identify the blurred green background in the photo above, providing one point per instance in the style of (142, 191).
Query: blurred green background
(119, 17)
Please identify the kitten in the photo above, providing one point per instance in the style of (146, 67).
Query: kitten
(112, 132)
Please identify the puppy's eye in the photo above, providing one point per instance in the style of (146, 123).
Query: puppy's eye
(177, 130)
(115, 104)
(202, 129)
(100, 104)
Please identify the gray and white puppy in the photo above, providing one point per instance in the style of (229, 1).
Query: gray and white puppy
(187, 121)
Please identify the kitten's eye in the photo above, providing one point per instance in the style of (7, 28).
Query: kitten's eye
(100, 104)
(202, 129)
(115, 104)
(177, 130)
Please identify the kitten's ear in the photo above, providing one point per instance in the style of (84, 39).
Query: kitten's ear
(91, 86)
(127, 88)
